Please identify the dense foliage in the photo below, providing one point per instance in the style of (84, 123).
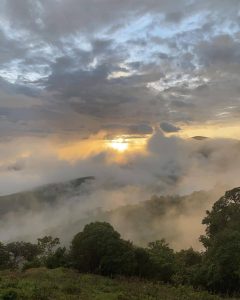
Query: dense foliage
(221, 263)
(99, 249)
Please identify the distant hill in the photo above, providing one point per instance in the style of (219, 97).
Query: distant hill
(49, 193)
(159, 217)
(74, 204)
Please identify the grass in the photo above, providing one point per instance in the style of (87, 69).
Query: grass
(66, 284)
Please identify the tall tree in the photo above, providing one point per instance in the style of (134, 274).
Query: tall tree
(221, 267)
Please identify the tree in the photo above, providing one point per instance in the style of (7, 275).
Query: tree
(23, 250)
(162, 260)
(143, 263)
(57, 259)
(224, 214)
(187, 263)
(99, 249)
(5, 261)
(221, 265)
(47, 244)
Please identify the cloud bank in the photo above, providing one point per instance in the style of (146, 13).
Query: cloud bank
(170, 166)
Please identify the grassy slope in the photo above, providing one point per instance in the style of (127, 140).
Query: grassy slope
(41, 284)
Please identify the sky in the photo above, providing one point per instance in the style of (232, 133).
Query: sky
(99, 79)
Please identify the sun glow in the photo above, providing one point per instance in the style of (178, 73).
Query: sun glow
(119, 144)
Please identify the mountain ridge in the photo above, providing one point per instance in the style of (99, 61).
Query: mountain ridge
(47, 193)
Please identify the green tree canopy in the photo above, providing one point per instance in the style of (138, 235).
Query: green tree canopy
(24, 250)
(221, 266)
(162, 259)
(99, 249)
(187, 263)
(4, 257)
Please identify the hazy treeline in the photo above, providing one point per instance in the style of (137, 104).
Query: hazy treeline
(65, 208)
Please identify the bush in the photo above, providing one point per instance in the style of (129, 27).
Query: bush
(9, 294)
(36, 263)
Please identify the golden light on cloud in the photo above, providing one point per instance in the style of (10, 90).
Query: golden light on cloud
(118, 147)
(119, 144)
(215, 130)
(80, 149)
(124, 144)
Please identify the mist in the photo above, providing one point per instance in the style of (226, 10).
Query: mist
(171, 166)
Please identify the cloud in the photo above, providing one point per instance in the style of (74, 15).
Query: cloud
(140, 129)
(222, 49)
(168, 127)
(171, 166)
(127, 65)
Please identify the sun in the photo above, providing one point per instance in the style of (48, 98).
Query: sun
(119, 144)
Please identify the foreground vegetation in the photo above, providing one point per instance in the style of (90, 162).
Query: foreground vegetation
(100, 250)
(44, 284)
